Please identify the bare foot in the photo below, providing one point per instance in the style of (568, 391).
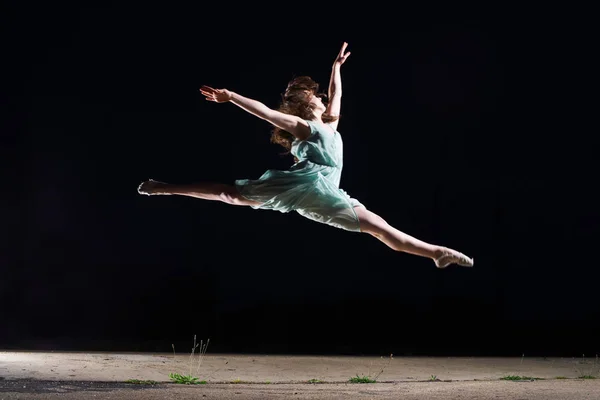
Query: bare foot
(151, 187)
(449, 256)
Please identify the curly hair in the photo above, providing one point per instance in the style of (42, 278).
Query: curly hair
(296, 101)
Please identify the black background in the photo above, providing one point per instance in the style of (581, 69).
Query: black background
(464, 130)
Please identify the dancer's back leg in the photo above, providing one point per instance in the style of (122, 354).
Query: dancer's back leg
(206, 191)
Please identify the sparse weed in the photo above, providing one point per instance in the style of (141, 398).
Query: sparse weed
(141, 382)
(361, 379)
(185, 379)
(588, 370)
(367, 378)
(190, 379)
(520, 378)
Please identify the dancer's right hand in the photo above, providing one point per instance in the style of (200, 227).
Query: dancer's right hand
(216, 95)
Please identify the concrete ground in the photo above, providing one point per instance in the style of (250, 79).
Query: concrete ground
(75, 375)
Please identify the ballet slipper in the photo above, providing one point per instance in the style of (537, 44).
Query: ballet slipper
(453, 257)
(151, 187)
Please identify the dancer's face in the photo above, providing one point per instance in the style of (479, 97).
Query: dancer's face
(318, 104)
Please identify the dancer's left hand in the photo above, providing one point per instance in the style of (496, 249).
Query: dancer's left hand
(216, 95)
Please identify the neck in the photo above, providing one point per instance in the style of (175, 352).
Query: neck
(317, 117)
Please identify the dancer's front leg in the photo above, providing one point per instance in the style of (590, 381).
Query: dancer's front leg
(376, 226)
(206, 191)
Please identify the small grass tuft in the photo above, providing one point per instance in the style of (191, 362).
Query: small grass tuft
(361, 379)
(588, 370)
(141, 382)
(366, 378)
(185, 379)
(189, 379)
(520, 378)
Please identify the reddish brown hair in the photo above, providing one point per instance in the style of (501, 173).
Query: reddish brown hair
(296, 101)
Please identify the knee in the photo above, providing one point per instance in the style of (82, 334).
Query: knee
(371, 223)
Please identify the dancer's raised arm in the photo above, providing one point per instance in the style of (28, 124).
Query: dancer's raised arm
(290, 123)
(335, 85)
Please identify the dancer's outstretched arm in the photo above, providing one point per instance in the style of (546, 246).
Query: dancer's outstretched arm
(290, 123)
(335, 85)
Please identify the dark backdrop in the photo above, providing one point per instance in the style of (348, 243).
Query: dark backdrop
(462, 131)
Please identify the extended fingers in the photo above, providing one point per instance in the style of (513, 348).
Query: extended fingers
(207, 90)
(210, 93)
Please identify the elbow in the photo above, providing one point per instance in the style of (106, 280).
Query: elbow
(268, 115)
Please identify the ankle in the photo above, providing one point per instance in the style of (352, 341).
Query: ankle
(439, 251)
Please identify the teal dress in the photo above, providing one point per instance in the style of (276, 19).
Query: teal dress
(311, 186)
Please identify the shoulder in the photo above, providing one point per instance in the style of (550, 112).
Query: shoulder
(302, 128)
(313, 126)
(312, 130)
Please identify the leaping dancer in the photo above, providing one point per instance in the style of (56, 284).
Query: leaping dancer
(305, 124)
